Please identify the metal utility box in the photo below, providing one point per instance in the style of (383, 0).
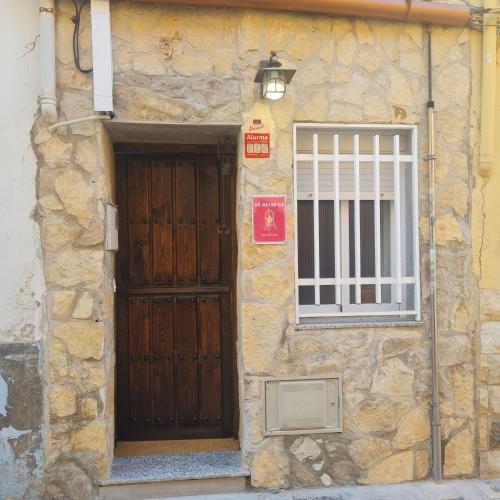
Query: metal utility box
(302, 405)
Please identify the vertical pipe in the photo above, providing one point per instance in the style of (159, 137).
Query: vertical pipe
(357, 224)
(317, 298)
(436, 424)
(416, 248)
(376, 212)
(397, 217)
(336, 182)
(488, 90)
(47, 98)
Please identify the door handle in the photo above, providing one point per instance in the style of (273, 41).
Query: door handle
(138, 250)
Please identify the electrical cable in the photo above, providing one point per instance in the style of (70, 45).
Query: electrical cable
(76, 36)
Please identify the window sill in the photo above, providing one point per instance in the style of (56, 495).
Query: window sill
(365, 324)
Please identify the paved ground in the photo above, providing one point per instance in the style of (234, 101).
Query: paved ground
(422, 490)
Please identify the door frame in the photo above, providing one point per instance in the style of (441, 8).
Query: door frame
(131, 148)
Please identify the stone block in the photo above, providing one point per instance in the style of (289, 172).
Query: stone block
(62, 300)
(62, 401)
(57, 236)
(89, 408)
(393, 377)
(490, 337)
(261, 333)
(50, 202)
(76, 267)
(400, 91)
(86, 157)
(483, 432)
(489, 464)
(379, 415)
(84, 306)
(90, 437)
(413, 428)
(490, 304)
(462, 380)
(459, 455)
(368, 451)
(422, 464)
(55, 152)
(448, 230)
(76, 196)
(494, 398)
(270, 467)
(305, 448)
(454, 350)
(83, 339)
(346, 48)
(394, 469)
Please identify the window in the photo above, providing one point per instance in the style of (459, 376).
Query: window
(356, 195)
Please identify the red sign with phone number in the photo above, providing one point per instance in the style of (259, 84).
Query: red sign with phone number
(269, 219)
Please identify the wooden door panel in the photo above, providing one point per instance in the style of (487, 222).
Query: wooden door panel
(186, 363)
(162, 213)
(163, 395)
(138, 222)
(185, 222)
(210, 360)
(123, 364)
(209, 220)
(140, 366)
(174, 303)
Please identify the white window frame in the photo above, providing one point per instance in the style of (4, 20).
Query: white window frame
(344, 308)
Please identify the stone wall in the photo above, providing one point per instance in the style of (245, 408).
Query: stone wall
(75, 179)
(349, 71)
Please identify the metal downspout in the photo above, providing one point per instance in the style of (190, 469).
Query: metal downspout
(488, 89)
(431, 159)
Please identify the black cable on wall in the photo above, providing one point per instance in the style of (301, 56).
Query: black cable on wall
(76, 36)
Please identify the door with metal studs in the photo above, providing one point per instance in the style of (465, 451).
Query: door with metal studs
(175, 297)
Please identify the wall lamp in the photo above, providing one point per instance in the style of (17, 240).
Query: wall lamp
(273, 78)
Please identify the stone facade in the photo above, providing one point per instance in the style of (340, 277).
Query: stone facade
(75, 178)
(348, 71)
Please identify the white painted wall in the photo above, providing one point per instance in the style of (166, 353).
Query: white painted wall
(21, 283)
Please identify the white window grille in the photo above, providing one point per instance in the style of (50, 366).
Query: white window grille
(356, 206)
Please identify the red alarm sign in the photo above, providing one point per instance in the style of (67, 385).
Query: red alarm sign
(257, 145)
(269, 219)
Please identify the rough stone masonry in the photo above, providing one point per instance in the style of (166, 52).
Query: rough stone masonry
(348, 71)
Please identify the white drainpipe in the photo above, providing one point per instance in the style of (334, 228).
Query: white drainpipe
(47, 99)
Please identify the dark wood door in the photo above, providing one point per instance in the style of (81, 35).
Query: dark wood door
(175, 307)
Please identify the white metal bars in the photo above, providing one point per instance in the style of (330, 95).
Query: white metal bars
(397, 219)
(357, 223)
(383, 179)
(376, 222)
(336, 220)
(317, 294)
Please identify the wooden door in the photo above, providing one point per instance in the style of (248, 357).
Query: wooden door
(175, 302)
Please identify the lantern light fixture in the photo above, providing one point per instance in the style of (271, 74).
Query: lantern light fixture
(273, 78)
